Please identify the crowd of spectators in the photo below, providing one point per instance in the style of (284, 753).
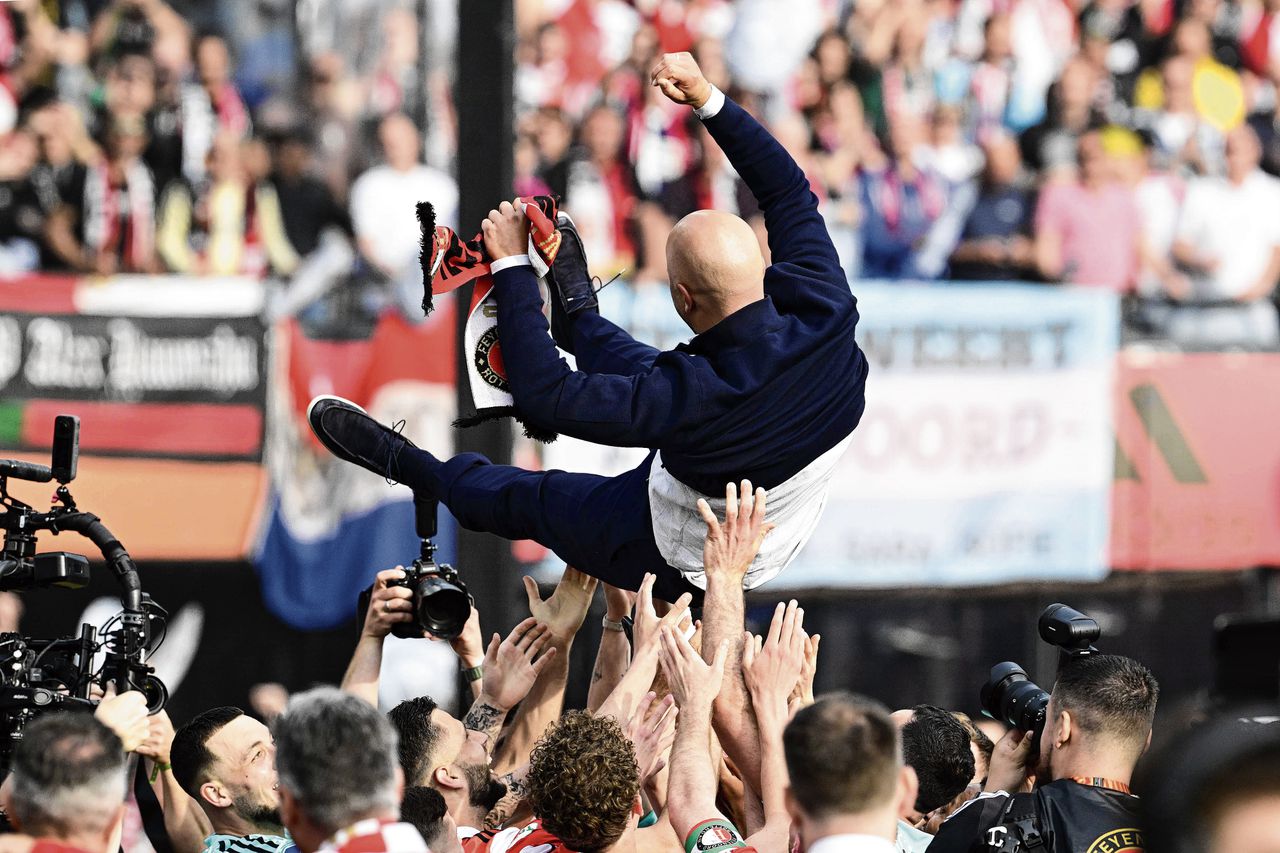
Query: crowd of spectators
(698, 734)
(1126, 145)
(135, 139)
(1131, 146)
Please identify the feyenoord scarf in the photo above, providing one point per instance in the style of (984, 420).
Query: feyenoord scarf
(448, 263)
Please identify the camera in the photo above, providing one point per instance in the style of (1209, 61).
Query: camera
(40, 674)
(1009, 695)
(441, 605)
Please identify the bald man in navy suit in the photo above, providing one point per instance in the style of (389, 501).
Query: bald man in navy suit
(769, 389)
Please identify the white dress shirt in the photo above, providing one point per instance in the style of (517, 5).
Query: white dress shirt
(852, 843)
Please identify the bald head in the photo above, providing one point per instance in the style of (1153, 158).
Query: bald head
(715, 267)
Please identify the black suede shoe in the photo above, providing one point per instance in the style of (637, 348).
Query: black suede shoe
(574, 290)
(351, 435)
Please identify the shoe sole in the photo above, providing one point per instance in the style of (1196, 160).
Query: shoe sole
(315, 401)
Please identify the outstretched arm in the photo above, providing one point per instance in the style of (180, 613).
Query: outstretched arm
(563, 614)
(691, 794)
(797, 233)
(727, 554)
(641, 410)
(387, 606)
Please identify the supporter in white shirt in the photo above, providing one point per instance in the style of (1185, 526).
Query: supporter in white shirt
(1229, 241)
(383, 202)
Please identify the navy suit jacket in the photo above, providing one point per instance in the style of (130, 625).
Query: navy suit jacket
(760, 395)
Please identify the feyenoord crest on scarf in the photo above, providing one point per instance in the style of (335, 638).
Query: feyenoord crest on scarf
(448, 263)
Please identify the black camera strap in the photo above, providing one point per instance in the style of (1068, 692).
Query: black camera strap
(1019, 827)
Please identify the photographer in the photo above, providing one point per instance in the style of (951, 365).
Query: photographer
(1097, 724)
(390, 605)
(528, 668)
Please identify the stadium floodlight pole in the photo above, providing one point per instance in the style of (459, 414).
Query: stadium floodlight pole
(484, 100)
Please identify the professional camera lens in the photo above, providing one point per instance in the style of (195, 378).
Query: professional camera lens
(1014, 699)
(1066, 628)
(156, 693)
(443, 607)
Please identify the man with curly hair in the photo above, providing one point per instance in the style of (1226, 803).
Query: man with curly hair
(583, 786)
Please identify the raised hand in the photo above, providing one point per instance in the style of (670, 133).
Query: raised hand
(772, 667)
(564, 612)
(505, 232)
(694, 682)
(268, 700)
(803, 693)
(511, 666)
(388, 605)
(126, 715)
(1013, 764)
(645, 632)
(652, 728)
(730, 547)
(681, 80)
(159, 738)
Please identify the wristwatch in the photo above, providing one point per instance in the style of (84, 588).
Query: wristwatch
(474, 673)
(610, 625)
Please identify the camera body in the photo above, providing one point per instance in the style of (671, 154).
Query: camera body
(440, 601)
(441, 605)
(1009, 694)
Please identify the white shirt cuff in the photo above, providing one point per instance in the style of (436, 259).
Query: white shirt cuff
(509, 261)
(714, 104)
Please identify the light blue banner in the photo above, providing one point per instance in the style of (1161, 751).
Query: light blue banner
(985, 454)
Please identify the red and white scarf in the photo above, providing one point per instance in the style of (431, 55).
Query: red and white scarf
(109, 226)
(448, 263)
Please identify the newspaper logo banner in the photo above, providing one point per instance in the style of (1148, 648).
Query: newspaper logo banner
(143, 386)
(132, 359)
(985, 454)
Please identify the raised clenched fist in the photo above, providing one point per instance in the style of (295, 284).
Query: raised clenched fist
(681, 80)
(506, 232)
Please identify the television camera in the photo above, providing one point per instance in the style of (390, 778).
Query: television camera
(37, 675)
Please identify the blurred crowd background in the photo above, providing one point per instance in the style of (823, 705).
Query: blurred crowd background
(1114, 144)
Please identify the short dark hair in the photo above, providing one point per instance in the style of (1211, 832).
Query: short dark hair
(68, 775)
(936, 746)
(979, 739)
(583, 781)
(337, 756)
(843, 755)
(418, 737)
(190, 755)
(425, 808)
(1109, 695)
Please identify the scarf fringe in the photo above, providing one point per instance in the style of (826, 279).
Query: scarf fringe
(427, 227)
(495, 413)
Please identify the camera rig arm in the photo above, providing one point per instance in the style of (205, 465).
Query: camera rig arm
(91, 527)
